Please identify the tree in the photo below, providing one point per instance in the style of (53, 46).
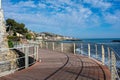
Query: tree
(10, 23)
(15, 27)
(14, 34)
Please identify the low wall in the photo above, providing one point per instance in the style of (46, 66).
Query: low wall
(8, 61)
(57, 46)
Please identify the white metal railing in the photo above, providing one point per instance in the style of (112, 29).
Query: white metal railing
(106, 55)
(101, 52)
(19, 57)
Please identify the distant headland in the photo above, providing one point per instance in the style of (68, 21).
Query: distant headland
(115, 40)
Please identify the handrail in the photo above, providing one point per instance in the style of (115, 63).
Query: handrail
(116, 55)
(101, 52)
(22, 56)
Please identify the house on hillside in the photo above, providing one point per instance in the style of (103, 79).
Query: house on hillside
(19, 35)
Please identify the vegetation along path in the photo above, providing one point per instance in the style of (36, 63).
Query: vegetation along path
(62, 66)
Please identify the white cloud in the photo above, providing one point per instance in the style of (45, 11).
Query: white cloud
(25, 4)
(18, 7)
(99, 4)
(41, 5)
(113, 19)
(72, 17)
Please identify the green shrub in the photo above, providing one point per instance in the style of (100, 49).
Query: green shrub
(10, 44)
(28, 36)
(13, 38)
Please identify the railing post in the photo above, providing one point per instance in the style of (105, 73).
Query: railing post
(34, 51)
(113, 67)
(103, 55)
(89, 50)
(53, 46)
(96, 51)
(81, 46)
(109, 57)
(61, 47)
(74, 47)
(46, 45)
(37, 51)
(26, 56)
(41, 44)
(23, 49)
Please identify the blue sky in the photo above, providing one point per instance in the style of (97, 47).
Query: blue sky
(77, 18)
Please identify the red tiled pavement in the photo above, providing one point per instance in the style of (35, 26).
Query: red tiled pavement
(59, 66)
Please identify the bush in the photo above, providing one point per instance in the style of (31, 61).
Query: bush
(28, 36)
(10, 44)
(13, 38)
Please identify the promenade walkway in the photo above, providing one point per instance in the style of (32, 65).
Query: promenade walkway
(60, 66)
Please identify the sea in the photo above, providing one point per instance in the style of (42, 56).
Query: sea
(106, 41)
(115, 46)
